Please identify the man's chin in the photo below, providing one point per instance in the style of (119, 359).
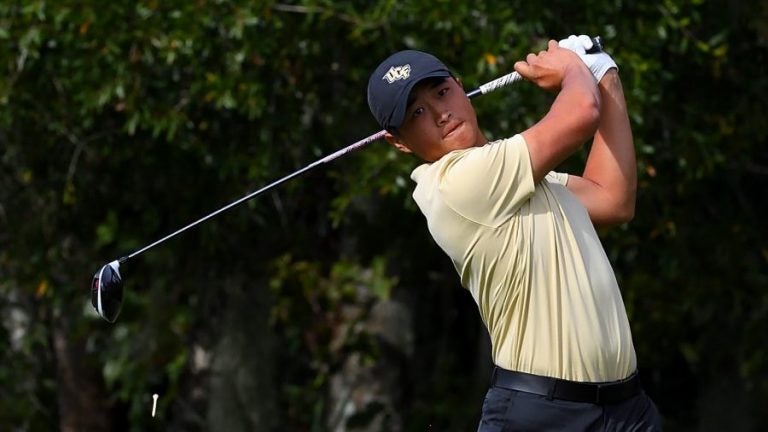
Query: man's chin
(461, 138)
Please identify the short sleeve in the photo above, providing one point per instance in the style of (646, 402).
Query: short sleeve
(488, 184)
(557, 178)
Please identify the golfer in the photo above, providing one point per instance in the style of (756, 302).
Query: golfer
(522, 236)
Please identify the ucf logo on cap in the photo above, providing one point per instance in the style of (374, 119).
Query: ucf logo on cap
(396, 73)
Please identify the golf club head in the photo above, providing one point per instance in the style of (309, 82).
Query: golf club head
(107, 291)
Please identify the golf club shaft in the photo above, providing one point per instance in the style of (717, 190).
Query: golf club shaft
(597, 46)
(328, 158)
(483, 89)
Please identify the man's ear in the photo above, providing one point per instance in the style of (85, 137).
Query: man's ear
(397, 143)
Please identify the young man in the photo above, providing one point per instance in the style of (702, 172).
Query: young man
(521, 236)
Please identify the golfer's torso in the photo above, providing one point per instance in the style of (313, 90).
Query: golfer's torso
(534, 264)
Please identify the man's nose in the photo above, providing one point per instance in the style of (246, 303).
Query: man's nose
(443, 115)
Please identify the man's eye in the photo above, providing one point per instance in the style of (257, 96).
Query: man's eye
(417, 112)
(443, 91)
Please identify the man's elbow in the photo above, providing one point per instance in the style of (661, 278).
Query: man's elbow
(612, 218)
(614, 212)
(630, 199)
(623, 212)
(625, 215)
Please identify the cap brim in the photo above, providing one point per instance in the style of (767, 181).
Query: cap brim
(398, 114)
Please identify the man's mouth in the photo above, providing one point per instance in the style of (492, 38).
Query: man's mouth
(452, 128)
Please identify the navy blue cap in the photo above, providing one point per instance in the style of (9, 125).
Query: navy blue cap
(390, 84)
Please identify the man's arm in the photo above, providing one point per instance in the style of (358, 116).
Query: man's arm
(573, 116)
(609, 182)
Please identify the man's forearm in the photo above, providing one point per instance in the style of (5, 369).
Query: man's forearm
(611, 164)
(571, 120)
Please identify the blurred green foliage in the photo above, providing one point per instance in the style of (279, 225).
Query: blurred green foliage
(122, 121)
(321, 318)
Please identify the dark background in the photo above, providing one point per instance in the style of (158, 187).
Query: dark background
(324, 304)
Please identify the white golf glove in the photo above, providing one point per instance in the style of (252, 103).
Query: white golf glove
(598, 63)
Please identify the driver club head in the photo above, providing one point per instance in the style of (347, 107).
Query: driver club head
(107, 291)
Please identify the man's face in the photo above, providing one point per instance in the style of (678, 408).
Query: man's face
(439, 119)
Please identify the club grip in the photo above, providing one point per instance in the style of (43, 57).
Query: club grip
(597, 45)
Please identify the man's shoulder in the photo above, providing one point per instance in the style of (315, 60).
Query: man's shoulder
(458, 162)
(483, 184)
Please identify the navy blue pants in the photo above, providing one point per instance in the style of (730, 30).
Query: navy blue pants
(511, 410)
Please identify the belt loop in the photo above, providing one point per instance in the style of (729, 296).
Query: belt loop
(493, 376)
(552, 388)
(597, 394)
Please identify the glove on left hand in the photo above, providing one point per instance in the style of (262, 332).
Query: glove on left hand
(598, 63)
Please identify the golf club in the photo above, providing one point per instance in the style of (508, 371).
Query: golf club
(107, 284)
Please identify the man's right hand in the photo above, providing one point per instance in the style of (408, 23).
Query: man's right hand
(548, 69)
(574, 115)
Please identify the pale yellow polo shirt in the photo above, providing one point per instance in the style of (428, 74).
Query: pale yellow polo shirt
(532, 260)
